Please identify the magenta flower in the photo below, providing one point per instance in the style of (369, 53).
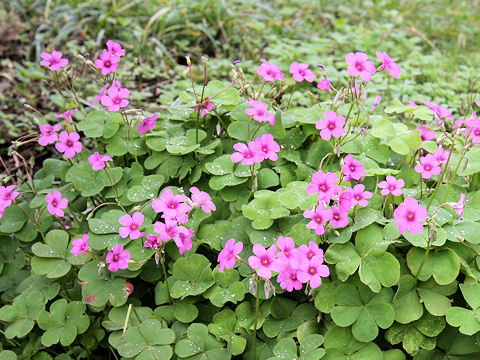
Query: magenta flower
(259, 111)
(116, 98)
(359, 195)
(202, 199)
(324, 185)
(391, 186)
(115, 48)
(360, 66)
(99, 96)
(376, 102)
(441, 155)
(56, 204)
(49, 135)
(7, 195)
(117, 258)
(131, 225)
(409, 215)
(426, 133)
(53, 60)
(300, 72)
(228, 256)
(98, 161)
(148, 123)
(183, 240)
(313, 271)
(153, 241)
(339, 217)
(353, 169)
(428, 166)
(248, 155)
(345, 200)
(389, 65)
(308, 252)
(265, 261)
(267, 146)
(167, 230)
(320, 216)
(205, 107)
(80, 245)
(332, 125)
(68, 144)
(324, 84)
(107, 62)
(288, 279)
(2, 211)
(67, 115)
(172, 206)
(288, 252)
(459, 207)
(441, 112)
(269, 71)
(473, 129)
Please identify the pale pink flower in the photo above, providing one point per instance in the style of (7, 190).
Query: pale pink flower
(153, 241)
(324, 84)
(459, 207)
(116, 98)
(117, 258)
(300, 72)
(205, 107)
(265, 261)
(259, 111)
(441, 155)
(318, 217)
(99, 96)
(324, 185)
(202, 199)
(80, 245)
(473, 129)
(269, 71)
(7, 195)
(353, 169)
(344, 200)
(267, 146)
(107, 62)
(308, 252)
(167, 230)
(67, 115)
(98, 161)
(131, 225)
(409, 215)
(413, 104)
(248, 155)
(288, 279)
(228, 256)
(332, 125)
(426, 133)
(389, 65)
(148, 123)
(56, 204)
(115, 48)
(288, 252)
(428, 166)
(360, 66)
(391, 186)
(359, 195)
(183, 239)
(313, 271)
(172, 206)
(376, 102)
(68, 144)
(339, 217)
(53, 60)
(49, 135)
(441, 112)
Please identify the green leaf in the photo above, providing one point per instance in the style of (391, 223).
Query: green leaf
(227, 288)
(442, 264)
(193, 275)
(147, 190)
(99, 291)
(93, 125)
(345, 257)
(51, 258)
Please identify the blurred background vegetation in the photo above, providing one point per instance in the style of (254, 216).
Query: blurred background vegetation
(434, 41)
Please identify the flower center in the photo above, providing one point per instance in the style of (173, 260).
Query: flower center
(302, 73)
(265, 262)
(359, 67)
(357, 197)
(115, 258)
(294, 277)
(392, 188)
(312, 271)
(310, 254)
(69, 143)
(331, 126)
(428, 167)
(264, 149)
(318, 220)
(411, 216)
(336, 217)
(172, 206)
(323, 188)
(54, 203)
(83, 247)
(286, 253)
(117, 101)
(107, 64)
(352, 167)
(133, 227)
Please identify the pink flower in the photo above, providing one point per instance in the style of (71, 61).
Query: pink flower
(148, 123)
(269, 71)
(115, 48)
(353, 169)
(80, 245)
(320, 216)
(2, 210)
(426, 133)
(99, 96)
(202, 199)
(248, 155)
(68, 144)
(264, 261)
(389, 65)
(391, 186)
(313, 271)
(359, 195)
(345, 200)
(49, 135)
(339, 217)
(259, 111)
(53, 60)
(413, 104)
(376, 102)
(205, 107)
(56, 204)
(288, 279)
(332, 125)
(116, 98)
(108, 63)
(98, 161)
(324, 84)
(359, 66)
(117, 258)
(308, 252)
(324, 185)
(428, 166)
(172, 206)
(473, 129)
(7, 195)
(288, 252)
(167, 230)
(183, 239)
(442, 112)
(300, 72)
(153, 241)
(67, 115)
(267, 146)
(459, 207)
(441, 155)
(131, 225)
(228, 256)
(409, 215)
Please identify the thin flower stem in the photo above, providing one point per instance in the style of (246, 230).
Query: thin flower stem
(166, 283)
(257, 309)
(454, 176)
(423, 262)
(293, 90)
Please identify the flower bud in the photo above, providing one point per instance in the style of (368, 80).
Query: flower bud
(252, 286)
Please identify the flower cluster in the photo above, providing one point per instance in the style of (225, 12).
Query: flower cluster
(66, 142)
(109, 59)
(259, 112)
(262, 148)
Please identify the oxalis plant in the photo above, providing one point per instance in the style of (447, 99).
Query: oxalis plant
(231, 225)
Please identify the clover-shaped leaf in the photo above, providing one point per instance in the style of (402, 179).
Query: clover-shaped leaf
(442, 264)
(341, 345)
(365, 310)
(200, 345)
(98, 291)
(22, 314)
(63, 323)
(464, 318)
(51, 258)
(147, 190)
(193, 276)
(117, 316)
(264, 208)
(223, 327)
(226, 173)
(226, 288)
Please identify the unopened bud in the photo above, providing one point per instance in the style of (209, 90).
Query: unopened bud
(189, 62)
(432, 232)
(252, 286)
(157, 257)
(266, 288)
